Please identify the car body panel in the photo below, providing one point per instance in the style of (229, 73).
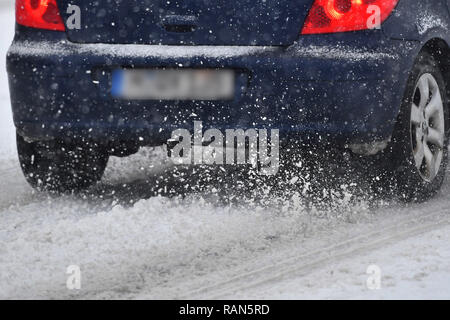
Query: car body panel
(189, 22)
(415, 20)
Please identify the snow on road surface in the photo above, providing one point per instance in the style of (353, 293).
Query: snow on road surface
(131, 243)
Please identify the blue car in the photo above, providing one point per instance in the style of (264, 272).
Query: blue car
(91, 79)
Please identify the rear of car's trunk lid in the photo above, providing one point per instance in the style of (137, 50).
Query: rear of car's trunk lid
(188, 22)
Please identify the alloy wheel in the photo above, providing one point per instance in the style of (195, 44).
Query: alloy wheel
(427, 127)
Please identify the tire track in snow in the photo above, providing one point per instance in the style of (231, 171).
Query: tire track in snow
(304, 263)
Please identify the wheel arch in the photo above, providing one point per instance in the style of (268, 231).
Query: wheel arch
(439, 49)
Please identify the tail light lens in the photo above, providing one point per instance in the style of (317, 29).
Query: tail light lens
(42, 14)
(330, 16)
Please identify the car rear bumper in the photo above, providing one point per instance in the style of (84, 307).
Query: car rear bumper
(344, 93)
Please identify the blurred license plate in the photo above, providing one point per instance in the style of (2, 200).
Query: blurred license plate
(173, 84)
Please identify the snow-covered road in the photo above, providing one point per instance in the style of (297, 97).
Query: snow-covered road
(130, 243)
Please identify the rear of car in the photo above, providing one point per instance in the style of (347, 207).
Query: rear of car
(295, 82)
(317, 70)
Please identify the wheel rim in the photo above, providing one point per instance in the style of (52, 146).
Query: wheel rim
(427, 127)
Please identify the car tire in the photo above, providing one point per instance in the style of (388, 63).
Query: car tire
(419, 146)
(60, 167)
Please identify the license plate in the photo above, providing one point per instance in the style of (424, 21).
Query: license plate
(173, 84)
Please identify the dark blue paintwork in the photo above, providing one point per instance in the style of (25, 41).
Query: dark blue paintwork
(347, 87)
(201, 22)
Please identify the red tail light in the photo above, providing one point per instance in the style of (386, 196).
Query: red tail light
(42, 14)
(330, 16)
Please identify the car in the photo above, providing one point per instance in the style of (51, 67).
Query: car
(368, 76)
